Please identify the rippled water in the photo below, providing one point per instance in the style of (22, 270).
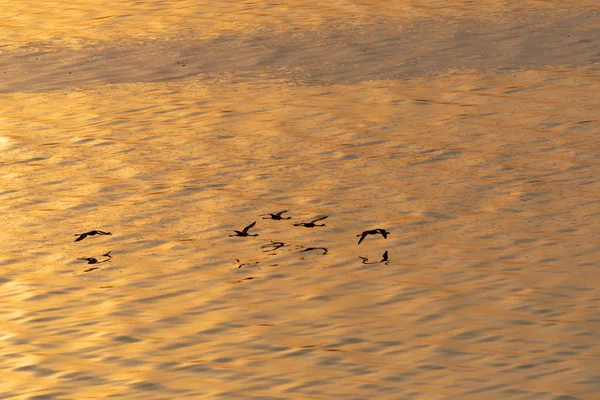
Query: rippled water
(468, 131)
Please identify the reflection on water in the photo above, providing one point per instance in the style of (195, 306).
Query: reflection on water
(485, 174)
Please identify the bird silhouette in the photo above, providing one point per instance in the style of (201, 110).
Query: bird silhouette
(248, 279)
(244, 231)
(383, 233)
(311, 224)
(365, 260)
(276, 216)
(273, 246)
(90, 233)
(385, 257)
(246, 264)
(315, 248)
(92, 260)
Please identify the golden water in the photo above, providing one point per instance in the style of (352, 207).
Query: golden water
(468, 130)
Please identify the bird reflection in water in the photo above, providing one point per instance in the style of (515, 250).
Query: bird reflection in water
(315, 248)
(247, 279)
(384, 259)
(92, 260)
(272, 246)
(246, 264)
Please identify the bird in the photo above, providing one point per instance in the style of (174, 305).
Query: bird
(276, 216)
(315, 248)
(383, 233)
(90, 233)
(244, 231)
(311, 224)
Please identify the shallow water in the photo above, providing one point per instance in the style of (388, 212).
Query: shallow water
(469, 132)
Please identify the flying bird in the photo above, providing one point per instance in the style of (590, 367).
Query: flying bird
(276, 216)
(244, 232)
(383, 233)
(90, 233)
(311, 224)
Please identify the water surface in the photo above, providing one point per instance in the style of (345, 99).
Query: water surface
(469, 131)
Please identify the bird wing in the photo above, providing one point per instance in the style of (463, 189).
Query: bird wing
(362, 237)
(385, 256)
(281, 212)
(318, 219)
(383, 232)
(81, 237)
(246, 229)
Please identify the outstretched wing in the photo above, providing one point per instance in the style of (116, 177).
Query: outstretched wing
(281, 212)
(318, 219)
(81, 237)
(362, 237)
(246, 229)
(383, 232)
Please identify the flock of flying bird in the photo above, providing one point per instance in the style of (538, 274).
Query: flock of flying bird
(244, 233)
(312, 224)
